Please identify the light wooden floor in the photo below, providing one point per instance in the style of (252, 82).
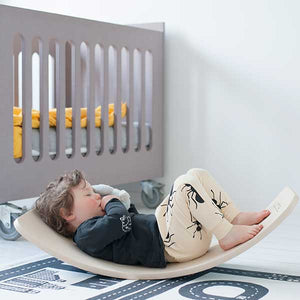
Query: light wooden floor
(279, 252)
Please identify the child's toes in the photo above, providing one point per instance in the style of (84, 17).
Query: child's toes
(255, 229)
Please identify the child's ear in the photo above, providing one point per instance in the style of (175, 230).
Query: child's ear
(64, 213)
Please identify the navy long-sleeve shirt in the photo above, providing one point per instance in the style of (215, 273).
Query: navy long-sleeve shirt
(122, 236)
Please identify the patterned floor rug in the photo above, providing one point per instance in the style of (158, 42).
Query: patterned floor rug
(51, 278)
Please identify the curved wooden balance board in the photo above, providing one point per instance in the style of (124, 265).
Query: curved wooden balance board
(36, 231)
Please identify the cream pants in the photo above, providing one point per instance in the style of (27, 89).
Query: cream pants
(196, 208)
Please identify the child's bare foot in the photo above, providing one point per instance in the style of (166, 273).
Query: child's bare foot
(239, 234)
(250, 218)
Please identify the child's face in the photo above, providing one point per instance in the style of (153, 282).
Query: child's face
(86, 202)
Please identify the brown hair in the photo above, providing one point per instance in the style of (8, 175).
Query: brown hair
(59, 195)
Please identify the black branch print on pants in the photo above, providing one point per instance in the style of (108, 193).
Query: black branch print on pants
(168, 240)
(222, 204)
(192, 194)
(198, 227)
(170, 202)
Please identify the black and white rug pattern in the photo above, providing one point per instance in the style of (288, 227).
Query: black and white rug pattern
(51, 278)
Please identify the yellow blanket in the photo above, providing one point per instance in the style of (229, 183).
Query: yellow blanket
(17, 120)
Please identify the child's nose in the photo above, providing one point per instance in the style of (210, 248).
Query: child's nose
(98, 197)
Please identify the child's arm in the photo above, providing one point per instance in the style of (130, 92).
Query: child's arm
(97, 233)
(106, 199)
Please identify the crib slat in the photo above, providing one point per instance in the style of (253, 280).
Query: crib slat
(104, 108)
(118, 103)
(76, 105)
(143, 100)
(6, 105)
(131, 103)
(60, 98)
(27, 99)
(91, 131)
(44, 103)
(157, 103)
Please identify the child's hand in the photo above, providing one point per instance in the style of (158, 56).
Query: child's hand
(106, 199)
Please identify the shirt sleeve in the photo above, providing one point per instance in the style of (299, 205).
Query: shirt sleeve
(97, 233)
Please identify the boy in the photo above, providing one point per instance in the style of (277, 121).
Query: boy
(180, 230)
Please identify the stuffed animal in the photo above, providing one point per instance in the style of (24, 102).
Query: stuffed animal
(104, 190)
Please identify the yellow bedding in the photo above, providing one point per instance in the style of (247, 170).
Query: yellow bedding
(17, 121)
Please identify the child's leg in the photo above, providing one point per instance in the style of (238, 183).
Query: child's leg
(224, 202)
(187, 218)
(219, 197)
